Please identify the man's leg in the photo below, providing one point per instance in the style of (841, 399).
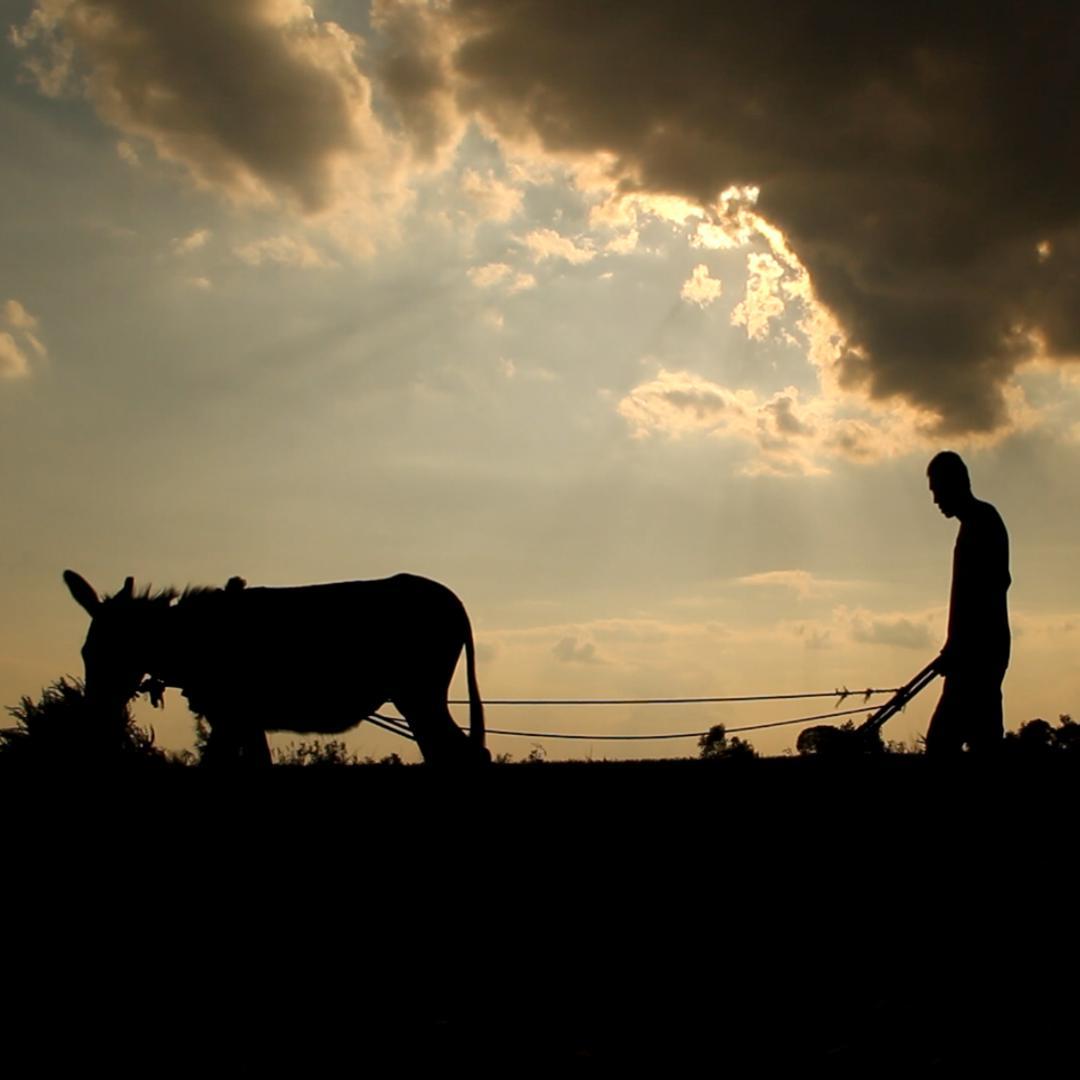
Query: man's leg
(986, 723)
(946, 733)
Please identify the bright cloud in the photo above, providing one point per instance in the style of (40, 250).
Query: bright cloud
(13, 361)
(495, 200)
(17, 346)
(764, 301)
(491, 274)
(548, 244)
(701, 289)
(788, 434)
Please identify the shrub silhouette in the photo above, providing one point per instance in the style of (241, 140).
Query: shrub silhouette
(1038, 737)
(61, 728)
(843, 741)
(715, 745)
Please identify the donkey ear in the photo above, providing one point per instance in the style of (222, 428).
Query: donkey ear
(128, 591)
(83, 592)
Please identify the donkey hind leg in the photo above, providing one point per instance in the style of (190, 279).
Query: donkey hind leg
(440, 740)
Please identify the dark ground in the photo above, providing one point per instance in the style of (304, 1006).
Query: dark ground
(868, 916)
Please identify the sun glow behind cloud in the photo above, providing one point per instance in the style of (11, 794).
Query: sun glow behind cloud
(431, 290)
(353, 130)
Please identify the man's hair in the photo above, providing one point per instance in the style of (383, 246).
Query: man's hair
(949, 466)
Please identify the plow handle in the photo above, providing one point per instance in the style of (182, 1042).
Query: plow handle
(874, 723)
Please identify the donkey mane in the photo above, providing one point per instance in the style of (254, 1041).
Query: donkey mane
(190, 594)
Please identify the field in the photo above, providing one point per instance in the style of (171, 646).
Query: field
(764, 914)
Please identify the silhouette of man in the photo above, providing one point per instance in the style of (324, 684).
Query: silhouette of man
(976, 651)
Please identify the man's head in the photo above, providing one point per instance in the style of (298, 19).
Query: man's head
(949, 482)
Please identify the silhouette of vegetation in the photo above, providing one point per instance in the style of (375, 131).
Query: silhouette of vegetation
(332, 753)
(1037, 737)
(715, 745)
(846, 740)
(61, 728)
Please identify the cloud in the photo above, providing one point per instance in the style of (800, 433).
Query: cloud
(491, 274)
(701, 289)
(127, 153)
(801, 581)
(282, 251)
(13, 361)
(496, 200)
(548, 244)
(570, 652)
(413, 68)
(16, 347)
(787, 432)
(898, 631)
(17, 317)
(483, 277)
(764, 301)
(781, 428)
(256, 98)
(923, 168)
(184, 245)
(909, 184)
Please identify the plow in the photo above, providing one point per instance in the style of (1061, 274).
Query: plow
(827, 739)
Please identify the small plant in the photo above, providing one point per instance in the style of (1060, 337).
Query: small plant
(329, 754)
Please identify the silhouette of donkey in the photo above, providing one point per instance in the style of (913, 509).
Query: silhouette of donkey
(311, 658)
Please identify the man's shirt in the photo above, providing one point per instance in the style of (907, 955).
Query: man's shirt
(978, 609)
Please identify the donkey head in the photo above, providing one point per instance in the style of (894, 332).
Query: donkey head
(116, 651)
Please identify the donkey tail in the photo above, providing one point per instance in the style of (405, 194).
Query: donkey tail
(476, 704)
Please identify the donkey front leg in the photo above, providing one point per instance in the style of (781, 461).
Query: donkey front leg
(232, 745)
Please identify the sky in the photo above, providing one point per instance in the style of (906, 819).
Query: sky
(635, 324)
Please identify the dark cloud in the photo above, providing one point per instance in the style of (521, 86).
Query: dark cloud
(249, 95)
(413, 70)
(916, 156)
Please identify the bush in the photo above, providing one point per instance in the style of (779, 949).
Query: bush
(61, 728)
(1038, 737)
(714, 745)
(846, 740)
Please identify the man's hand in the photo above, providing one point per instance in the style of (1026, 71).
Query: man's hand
(945, 662)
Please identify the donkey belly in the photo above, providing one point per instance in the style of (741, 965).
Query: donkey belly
(329, 715)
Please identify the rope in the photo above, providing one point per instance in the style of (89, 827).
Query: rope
(388, 723)
(840, 695)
